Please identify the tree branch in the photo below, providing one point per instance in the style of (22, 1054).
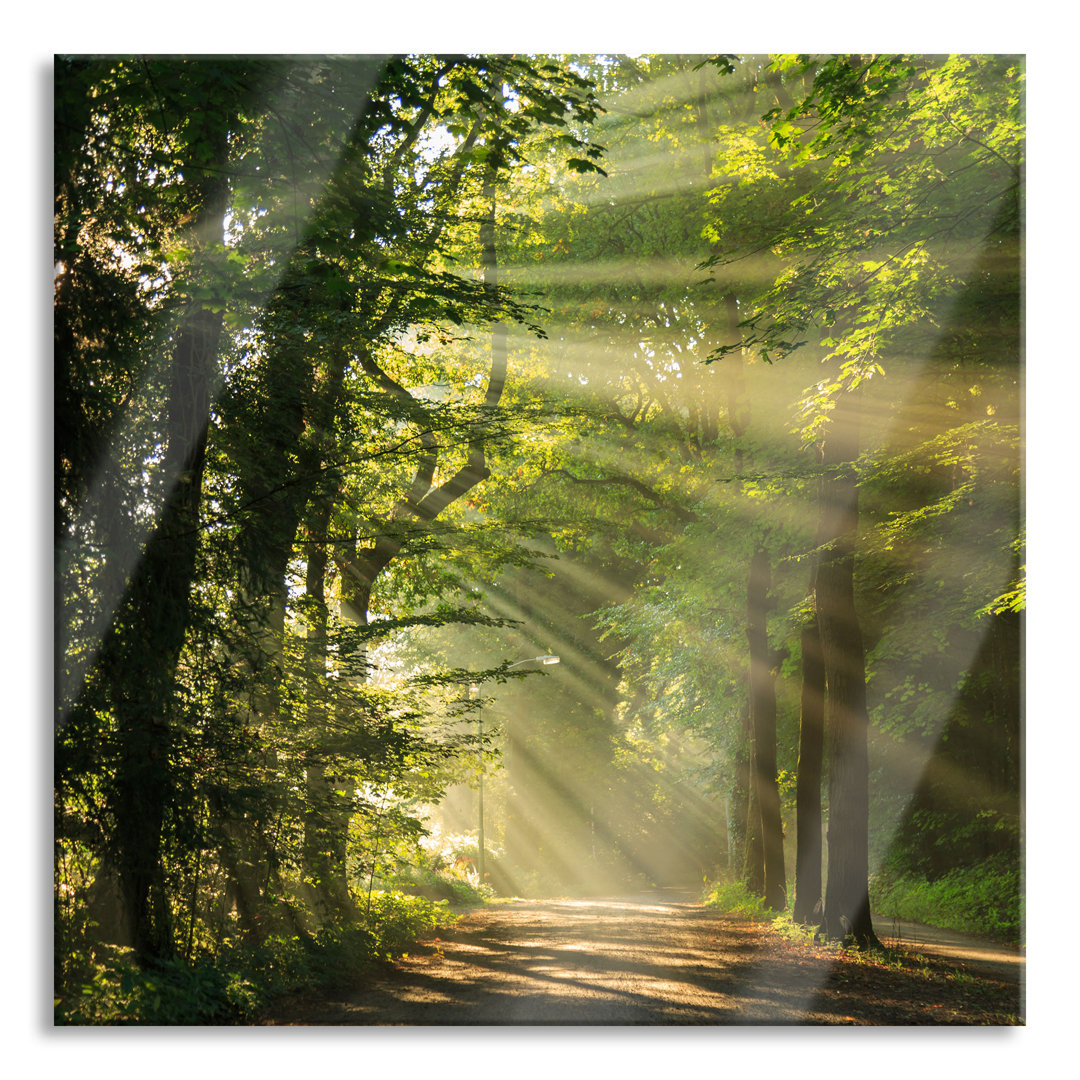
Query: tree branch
(628, 481)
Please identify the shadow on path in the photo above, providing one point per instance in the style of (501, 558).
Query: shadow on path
(658, 958)
(975, 953)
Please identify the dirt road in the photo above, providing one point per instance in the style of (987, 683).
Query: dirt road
(655, 959)
(980, 955)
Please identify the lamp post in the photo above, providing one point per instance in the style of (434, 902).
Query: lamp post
(547, 658)
(474, 691)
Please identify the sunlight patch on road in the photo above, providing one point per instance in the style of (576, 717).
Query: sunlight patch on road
(663, 909)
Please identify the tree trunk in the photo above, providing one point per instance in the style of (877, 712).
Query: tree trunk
(763, 734)
(326, 815)
(746, 819)
(276, 481)
(808, 848)
(753, 847)
(147, 643)
(142, 647)
(847, 899)
(808, 782)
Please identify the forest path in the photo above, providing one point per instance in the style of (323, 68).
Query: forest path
(658, 958)
(977, 954)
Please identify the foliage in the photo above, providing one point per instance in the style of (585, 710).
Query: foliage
(984, 899)
(733, 897)
(911, 159)
(441, 868)
(258, 262)
(242, 980)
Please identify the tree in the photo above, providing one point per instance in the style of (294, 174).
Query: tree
(763, 667)
(908, 165)
(302, 228)
(808, 894)
(647, 427)
(142, 648)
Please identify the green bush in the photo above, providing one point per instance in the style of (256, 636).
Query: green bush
(233, 986)
(118, 991)
(734, 897)
(441, 884)
(443, 867)
(984, 899)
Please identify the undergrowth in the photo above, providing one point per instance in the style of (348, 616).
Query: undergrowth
(443, 867)
(735, 898)
(984, 899)
(241, 980)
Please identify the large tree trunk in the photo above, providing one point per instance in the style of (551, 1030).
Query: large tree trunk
(745, 819)
(326, 813)
(753, 869)
(146, 648)
(149, 633)
(847, 899)
(808, 904)
(142, 647)
(264, 547)
(808, 783)
(763, 734)
(278, 475)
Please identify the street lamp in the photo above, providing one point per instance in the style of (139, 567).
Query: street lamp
(547, 658)
(474, 691)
